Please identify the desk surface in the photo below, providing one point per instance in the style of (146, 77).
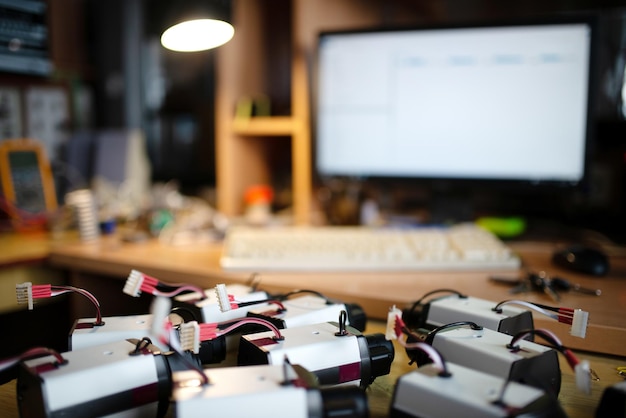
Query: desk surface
(375, 292)
(23, 248)
(575, 403)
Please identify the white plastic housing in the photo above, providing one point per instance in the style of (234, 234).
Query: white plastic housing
(467, 393)
(314, 347)
(115, 328)
(452, 309)
(486, 350)
(95, 372)
(210, 307)
(252, 391)
(304, 310)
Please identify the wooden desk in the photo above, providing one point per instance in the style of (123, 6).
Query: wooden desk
(575, 403)
(23, 248)
(23, 258)
(375, 292)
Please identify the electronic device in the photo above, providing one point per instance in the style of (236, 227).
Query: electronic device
(88, 332)
(508, 357)
(211, 338)
(310, 309)
(441, 310)
(465, 392)
(334, 352)
(24, 30)
(85, 333)
(359, 248)
(490, 352)
(582, 259)
(190, 307)
(509, 317)
(206, 308)
(271, 391)
(27, 185)
(613, 402)
(213, 341)
(459, 107)
(126, 378)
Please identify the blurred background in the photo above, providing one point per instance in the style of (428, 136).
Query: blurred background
(100, 70)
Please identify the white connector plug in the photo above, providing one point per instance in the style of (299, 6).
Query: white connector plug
(24, 293)
(133, 283)
(160, 310)
(391, 331)
(579, 323)
(222, 297)
(583, 377)
(189, 335)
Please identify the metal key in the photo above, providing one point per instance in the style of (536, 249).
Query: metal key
(565, 285)
(541, 281)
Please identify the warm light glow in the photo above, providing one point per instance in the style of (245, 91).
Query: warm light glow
(197, 35)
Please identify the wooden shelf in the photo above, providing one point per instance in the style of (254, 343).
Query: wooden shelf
(275, 42)
(265, 126)
(256, 62)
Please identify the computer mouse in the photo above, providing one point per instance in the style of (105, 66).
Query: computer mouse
(582, 259)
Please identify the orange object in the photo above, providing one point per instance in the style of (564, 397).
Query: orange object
(259, 194)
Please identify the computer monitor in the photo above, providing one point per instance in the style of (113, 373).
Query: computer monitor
(506, 103)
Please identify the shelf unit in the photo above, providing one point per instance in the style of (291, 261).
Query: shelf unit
(277, 37)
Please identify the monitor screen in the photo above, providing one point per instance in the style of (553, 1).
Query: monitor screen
(495, 102)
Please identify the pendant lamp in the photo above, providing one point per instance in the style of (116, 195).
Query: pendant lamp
(198, 26)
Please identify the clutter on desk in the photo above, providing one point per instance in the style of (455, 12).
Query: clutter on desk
(189, 351)
(542, 282)
(178, 219)
(258, 200)
(166, 214)
(83, 204)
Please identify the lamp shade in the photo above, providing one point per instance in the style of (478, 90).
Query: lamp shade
(198, 26)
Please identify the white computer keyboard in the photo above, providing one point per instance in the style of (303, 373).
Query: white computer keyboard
(343, 248)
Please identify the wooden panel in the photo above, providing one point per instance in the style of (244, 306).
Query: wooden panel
(239, 74)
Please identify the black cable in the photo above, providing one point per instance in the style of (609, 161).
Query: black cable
(428, 338)
(540, 332)
(268, 300)
(141, 344)
(287, 295)
(432, 292)
(498, 308)
(472, 325)
(254, 281)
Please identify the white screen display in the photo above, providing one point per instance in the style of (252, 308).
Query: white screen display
(500, 102)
